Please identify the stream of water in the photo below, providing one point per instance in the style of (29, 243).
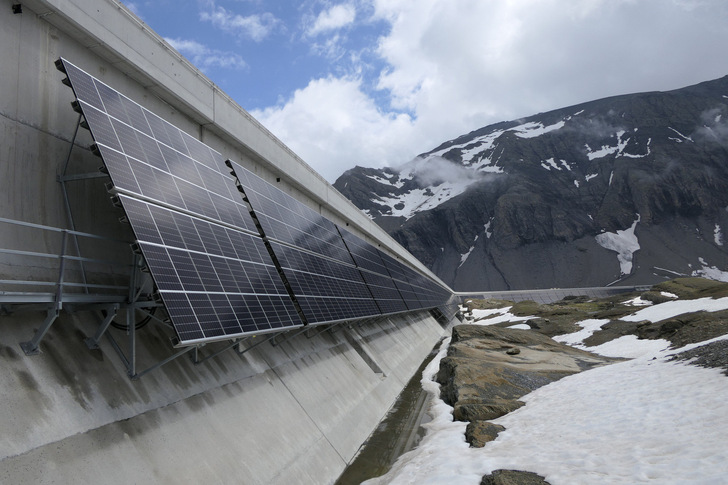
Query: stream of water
(399, 432)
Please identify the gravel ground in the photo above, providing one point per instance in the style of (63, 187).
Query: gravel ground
(711, 355)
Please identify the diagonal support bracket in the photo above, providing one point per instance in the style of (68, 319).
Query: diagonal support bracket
(31, 346)
(93, 342)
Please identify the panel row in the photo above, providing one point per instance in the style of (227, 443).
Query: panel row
(225, 263)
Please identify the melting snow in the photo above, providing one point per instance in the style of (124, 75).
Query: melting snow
(646, 420)
(710, 272)
(637, 301)
(532, 129)
(385, 181)
(624, 243)
(590, 176)
(670, 309)
(683, 137)
(488, 232)
(551, 163)
(718, 235)
(464, 257)
(408, 204)
(476, 146)
(618, 149)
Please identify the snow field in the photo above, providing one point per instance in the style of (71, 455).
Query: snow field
(645, 420)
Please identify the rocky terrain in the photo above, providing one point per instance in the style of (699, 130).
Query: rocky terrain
(631, 188)
(489, 367)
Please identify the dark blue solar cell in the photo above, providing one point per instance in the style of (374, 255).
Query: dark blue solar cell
(83, 85)
(100, 126)
(111, 99)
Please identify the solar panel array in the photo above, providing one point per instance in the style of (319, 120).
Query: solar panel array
(234, 255)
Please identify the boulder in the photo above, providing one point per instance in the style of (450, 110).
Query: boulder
(478, 433)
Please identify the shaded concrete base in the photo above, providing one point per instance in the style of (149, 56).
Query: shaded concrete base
(294, 413)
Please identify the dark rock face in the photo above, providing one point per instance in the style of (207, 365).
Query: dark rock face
(522, 202)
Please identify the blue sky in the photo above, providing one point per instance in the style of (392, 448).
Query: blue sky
(376, 82)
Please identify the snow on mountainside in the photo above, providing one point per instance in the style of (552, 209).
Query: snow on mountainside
(560, 191)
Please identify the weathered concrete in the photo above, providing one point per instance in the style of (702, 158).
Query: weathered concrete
(294, 413)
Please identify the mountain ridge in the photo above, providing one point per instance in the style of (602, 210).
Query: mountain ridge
(537, 191)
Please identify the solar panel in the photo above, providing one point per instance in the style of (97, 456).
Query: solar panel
(150, 158)
(215, 282)
(369, 261)
(327, 290)
(287, 220)
(201, 246)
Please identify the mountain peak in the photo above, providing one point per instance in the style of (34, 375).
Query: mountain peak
(554, 181)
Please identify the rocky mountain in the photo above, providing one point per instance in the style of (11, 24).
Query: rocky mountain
(630, 189)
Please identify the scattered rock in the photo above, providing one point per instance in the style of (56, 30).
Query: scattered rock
(478, 411)
(714, 354)
(478, 433)
(513, 351)
(513, 477)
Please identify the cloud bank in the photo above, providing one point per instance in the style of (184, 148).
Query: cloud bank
(446, 67)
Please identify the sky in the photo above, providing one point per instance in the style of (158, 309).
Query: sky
(644, 420)
(374, 83)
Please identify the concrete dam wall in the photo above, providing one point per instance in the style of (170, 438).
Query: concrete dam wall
(293, 409)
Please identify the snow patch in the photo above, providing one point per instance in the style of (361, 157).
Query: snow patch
(624, 243)
(532, 129)
(381, 180)
(638, 301)
(671, 309)
(488, 232)
(590, 176)
(710, 272)
(682, 137)
(645, 420)
(464, 257)
(618, 149)
(588, 327)
(718, 235)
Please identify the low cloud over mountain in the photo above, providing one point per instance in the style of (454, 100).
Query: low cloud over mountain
(630, 188)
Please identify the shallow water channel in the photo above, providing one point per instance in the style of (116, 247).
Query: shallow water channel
(399, 432)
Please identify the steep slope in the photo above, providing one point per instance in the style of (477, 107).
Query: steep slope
(631, 188)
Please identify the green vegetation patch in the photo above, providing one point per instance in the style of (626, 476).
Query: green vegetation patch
(692, 288)
(561, 317)
(488, 304)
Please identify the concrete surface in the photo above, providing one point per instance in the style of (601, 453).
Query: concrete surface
(294, 413)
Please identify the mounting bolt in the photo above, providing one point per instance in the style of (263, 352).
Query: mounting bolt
(17, 8)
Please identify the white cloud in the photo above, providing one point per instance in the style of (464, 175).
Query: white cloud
(204, 57)
(333, 125)
(334, 18)
(457, 65)
(255, 27)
